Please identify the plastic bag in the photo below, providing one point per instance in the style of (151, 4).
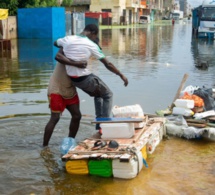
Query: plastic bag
(189, 89)
(180, 121)
(173, 129)
(192, 132)
(67, 144)
(207, 96)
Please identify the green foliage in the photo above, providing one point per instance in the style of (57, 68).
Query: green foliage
(9, 4)
(67, 2)
(13, 5)
(52, 3)
(41, 3)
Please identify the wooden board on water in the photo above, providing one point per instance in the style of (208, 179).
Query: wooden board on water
(118, 120)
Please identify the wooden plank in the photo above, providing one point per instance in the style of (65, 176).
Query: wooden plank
(211, 124)
(211, 118)
(179, 90)
(197, 125)
(117, 120)
(138, 134)
(196, 121)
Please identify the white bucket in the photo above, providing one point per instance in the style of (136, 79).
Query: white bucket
(127, 170)
(129, 111)
(117, 130)
(184, 103)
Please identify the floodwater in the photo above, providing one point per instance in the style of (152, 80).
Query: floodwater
(155, 58)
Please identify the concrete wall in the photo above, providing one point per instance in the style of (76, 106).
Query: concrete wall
(117, 11)
(117, 7)
(9, 28)
(41, 22)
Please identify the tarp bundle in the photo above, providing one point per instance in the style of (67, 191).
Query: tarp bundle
(207, 95)
(3, 14)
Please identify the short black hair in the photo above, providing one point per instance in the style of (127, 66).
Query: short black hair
(92, 28)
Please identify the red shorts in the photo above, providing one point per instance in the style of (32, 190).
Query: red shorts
(57, 103)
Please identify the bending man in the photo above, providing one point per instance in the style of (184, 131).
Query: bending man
(81, 48)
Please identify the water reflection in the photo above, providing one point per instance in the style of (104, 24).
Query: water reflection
(131, 43)
(26, 168)
(154, 58)
(38, 51)
(29, 70)
(148, 56)
(203, 51)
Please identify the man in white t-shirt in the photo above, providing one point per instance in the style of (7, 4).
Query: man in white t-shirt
(81, 48)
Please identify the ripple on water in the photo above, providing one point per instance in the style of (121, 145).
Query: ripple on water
(177, 166)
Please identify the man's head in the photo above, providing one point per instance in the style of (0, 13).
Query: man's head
(91, 31)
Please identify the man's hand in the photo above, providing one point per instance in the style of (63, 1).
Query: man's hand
(124, 79)
(60, 57)
(113, 69)
(79, 64)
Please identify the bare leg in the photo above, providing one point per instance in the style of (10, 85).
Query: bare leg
(75, 121)
(50, 128)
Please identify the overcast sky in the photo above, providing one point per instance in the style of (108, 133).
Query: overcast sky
(195, 3)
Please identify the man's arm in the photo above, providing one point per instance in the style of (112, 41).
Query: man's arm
(60, 57)
(113, 69)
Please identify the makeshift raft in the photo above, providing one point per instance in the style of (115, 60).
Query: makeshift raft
(124, 162)
(190, 128)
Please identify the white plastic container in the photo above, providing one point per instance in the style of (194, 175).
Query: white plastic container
(129, 111)
(184, 103)
(182, 111)
(204, 114)
(117, 130)
(127, 170)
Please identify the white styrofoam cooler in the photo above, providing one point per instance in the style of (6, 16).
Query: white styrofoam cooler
(117, 130)
(127, 170)
(129, 111)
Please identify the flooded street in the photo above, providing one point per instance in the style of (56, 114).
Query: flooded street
(154, 58)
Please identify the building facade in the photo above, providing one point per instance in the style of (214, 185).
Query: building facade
(127, 11)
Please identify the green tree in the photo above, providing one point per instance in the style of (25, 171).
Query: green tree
(13, 5)
(9, 4)
(42, 3)
(67, 2)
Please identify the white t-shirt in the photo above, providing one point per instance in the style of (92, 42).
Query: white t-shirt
(79, 48)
